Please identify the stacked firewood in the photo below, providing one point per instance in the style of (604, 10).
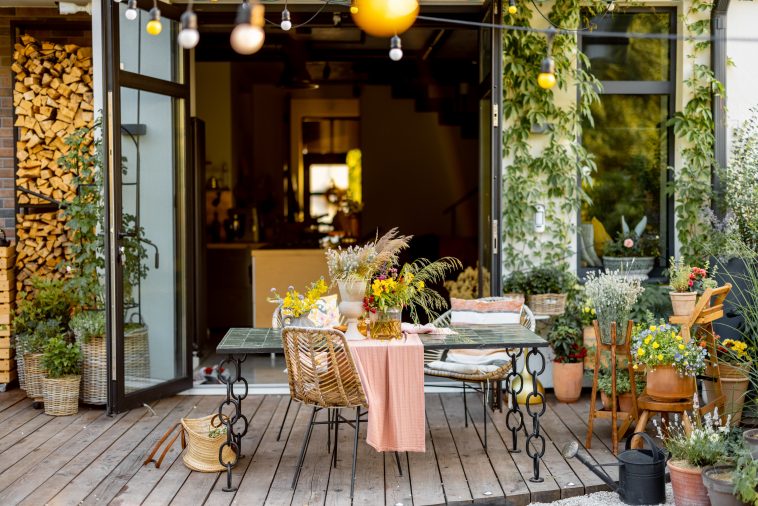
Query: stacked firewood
(53, 98)
(7, 305)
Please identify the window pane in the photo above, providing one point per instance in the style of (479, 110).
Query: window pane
(630, 59)
(150, 55)
(630, 145)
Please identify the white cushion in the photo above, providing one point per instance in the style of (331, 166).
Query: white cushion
(477, 356)
(461, 368)
(475, 318)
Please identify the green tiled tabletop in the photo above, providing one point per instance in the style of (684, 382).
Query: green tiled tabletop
(263, 340)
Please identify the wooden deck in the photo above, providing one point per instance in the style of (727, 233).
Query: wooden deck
(91, 458)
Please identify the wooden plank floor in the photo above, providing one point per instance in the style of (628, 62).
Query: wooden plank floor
(91, 458)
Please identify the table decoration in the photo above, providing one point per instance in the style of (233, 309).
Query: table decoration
(296, 306)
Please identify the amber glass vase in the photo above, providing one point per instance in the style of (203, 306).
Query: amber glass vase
(386, 324)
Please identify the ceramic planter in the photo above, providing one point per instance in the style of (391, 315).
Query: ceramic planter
(683, 303)
(351, 307)
(687, 483)
(665, 384)
(734, 385)
(718, 481)
(751, 441)
(632, 267)
(567, 381)
(625, 402)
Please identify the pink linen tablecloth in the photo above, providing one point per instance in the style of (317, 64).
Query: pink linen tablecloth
(392, 374)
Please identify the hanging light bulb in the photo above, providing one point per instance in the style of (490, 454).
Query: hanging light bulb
(384, 18)
(131, 10)
(154, 26)
(611, 5)
(512, 9)
(396, 49)
(286, 20)
(247, 37)
(353, 7)
(188, 36)
(546, 79)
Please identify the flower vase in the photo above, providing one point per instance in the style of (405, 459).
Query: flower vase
(351, 307)
(385, 325)
(300, 321)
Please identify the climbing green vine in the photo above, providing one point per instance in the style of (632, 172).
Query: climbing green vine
(541, 169)
(694, 127)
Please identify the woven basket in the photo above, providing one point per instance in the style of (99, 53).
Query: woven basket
(551, 304)
(202, 450)
(34, 374)
(61, 395)
(94, 364)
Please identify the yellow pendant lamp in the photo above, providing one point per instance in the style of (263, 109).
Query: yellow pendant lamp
(384, 18)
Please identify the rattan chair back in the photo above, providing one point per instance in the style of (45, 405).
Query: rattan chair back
(320, 368)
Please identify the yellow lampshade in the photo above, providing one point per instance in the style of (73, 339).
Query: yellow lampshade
(385, 18)
(546, 80)
(153, 27)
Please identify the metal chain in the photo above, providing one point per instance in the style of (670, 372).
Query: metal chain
(535, 435)
(233, 434)
(514, 419)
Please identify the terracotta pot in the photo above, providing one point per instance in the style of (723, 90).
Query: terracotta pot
(687, 483)
(567, 381)
(718, 482)
(683, 303)
(664, 383)
(734, 371)
(735, 391)
(625, 402)
(606, 400)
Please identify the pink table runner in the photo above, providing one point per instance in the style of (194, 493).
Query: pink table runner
(392, 373)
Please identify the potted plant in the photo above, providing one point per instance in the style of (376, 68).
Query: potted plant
(295, 307)
(686, 283)
(745, 478)
(720, 481)
(671, 363)
(613, 295)
(633, 252)
(546, 290)
(568, 365)
(61, 360)
(734, 369)
(32, 341)
(706, 445)
(89, 331)
(623, 388)
(516, 284)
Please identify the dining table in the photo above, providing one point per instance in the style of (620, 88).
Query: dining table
(239, 343)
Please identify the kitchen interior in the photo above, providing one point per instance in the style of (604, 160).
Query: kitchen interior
(321, 140)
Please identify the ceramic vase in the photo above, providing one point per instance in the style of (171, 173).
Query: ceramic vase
(351, 305)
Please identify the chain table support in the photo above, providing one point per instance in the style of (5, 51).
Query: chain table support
(514, 419)
(535, 434)
(234, 434)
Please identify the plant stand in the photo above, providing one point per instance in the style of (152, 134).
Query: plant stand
(614, 414)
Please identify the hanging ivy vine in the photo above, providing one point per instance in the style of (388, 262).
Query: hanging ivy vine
(694, 127)
(542, 169)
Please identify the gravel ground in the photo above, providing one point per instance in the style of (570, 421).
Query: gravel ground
(599, 499)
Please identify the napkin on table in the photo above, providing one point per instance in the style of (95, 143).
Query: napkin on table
(412, 328)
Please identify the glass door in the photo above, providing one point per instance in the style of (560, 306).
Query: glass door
(490, 151)
(150, 290)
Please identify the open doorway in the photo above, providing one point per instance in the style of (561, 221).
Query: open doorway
(320, 137)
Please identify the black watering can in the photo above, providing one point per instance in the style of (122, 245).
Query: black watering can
(642, 478)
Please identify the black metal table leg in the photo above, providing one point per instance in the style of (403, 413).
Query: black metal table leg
(535, 434)
(234, 434)
(514, 419)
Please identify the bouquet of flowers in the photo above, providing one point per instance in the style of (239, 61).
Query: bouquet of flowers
(662, 345)
(613, 296)
(362, 262)
(295, 304)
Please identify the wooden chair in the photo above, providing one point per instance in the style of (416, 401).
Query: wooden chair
(616, 350)
(698, 326)
(322, 374)
(479, 381)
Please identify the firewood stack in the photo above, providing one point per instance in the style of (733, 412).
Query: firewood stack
(52, 97)
(7, 305)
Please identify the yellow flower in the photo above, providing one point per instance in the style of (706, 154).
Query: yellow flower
(679, 338)
(635, 367)
(656, 345)
(660, 357)
(681, 346)
(648, 339)
(641, 351)
(653, 328)
(420, 285)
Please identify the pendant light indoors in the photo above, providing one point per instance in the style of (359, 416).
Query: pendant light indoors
(154, 26)
(247, 36)
(131, 10)
(396, 49)
(385, 18)
(188, 36)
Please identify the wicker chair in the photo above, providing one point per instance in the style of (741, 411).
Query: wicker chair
(486, 379)
(322, 374)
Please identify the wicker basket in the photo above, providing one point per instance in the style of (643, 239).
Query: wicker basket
(34, 374)
(202, 450)
(551, 304)
(61, 395)
(94, 364)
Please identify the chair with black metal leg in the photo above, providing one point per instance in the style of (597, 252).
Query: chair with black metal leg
(322, 374)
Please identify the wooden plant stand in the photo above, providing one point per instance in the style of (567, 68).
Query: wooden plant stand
(626, 418)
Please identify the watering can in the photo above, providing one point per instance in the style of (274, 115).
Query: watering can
(642, 478)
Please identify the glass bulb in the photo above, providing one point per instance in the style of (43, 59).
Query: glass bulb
(246, 38)
(546, 80)
(353, 9)
(154, 27)
(188, 38)
(286, 25)
(396, 54)
(512, 9)
(131, 14)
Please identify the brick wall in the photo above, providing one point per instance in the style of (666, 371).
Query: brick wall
(44, 25)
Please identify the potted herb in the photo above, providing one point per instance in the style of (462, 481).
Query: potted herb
(633, 252)
(705, 445)
(568, 365)
(295, 306)
(32, 341)
(546, 289)
(686, 283)
(62, 360)
(734, 369)
(613, 296)
(671, 363)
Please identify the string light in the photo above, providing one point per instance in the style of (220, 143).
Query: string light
(188, 36)
(385, 18)
(396, 49)
(546, 78)
(154, 26)
(131, 10)
(286, 20)
(247, 36)
(353, 7)
(512, 9)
